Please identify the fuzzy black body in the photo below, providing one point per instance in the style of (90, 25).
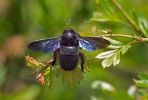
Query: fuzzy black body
(66, 47)
(69, 50)
(68, 57)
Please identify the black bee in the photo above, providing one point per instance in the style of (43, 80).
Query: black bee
(67, 46)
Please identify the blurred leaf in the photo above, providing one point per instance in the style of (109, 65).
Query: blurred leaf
(106, 6)
(141, 83)
(144, 80)
(93, 30)
(132, 91)
(110, 91)
(122, 96)
(99, 17)
(143, 24)
(107, 13)
(113, 56)
(96, 98)
(135, 17)
(143, 76)
(102, 85)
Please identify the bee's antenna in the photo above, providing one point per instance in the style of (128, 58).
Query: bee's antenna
(69, 21)
(67, 24)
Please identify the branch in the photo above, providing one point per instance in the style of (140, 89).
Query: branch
(136, 38)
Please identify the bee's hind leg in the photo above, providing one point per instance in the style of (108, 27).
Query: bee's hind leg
(82, 61)
(55, 58)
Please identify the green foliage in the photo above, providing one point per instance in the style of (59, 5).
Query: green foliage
(36, 19)
(45, 74)
(112, 56)
(107, 13)
(139, 24)
(109, 90)
(143, 82)
(71, 77)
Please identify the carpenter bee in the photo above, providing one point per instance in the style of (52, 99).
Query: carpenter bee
(67, 46)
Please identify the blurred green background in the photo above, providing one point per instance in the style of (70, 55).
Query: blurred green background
(23, 21)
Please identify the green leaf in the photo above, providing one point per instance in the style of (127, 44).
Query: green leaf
(108, 13)
(49, 79)
(102, 85)
(132, 90)
(143, 76)
(99, 17)
(116, 59)
(143, 24)
(106, 54)
(107, 62)
(141, 83)
(125, 48)
(144, 80)
(59, 72)
(112, 56)
(135, 17)
(72, 77)
(106, 6)
(113, 42)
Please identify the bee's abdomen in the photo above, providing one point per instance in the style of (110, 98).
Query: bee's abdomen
(69, 56)
(68, 62)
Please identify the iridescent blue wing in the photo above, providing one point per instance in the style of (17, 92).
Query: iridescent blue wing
(45, 45)
(92, 43)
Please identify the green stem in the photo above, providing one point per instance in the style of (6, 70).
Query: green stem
(136, 38)
(38, 71)
(126, 15)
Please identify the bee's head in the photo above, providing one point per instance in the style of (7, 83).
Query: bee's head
(68, 33)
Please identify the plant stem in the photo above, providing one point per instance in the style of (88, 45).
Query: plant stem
(38, 71)
(126, 15)
(136, 38)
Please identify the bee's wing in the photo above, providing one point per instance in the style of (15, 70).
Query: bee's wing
(45, 45)
(92, 43)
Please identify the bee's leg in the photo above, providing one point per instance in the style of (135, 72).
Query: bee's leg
(55, 58)
(82, 61)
